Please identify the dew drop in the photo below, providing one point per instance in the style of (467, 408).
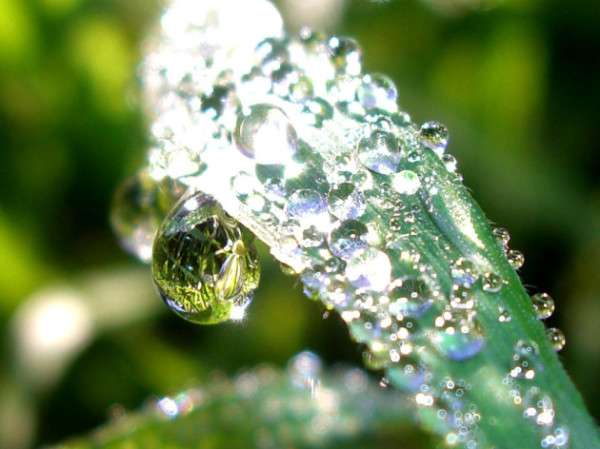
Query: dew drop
(556, 337)
(348, 239)
(543, 305)
(458, 337)
(504, 316)
(346, 55)
(410, 296)
(538, 407)
(491, 283)
(515, 258)
(524, 360)
(435, 136)
(406, 182)
(138, 207)
(502, 236)
(463, 272)
(346, 201)
(308, 207)
(378, 92)
(369, 269)
(204, 264)
(266, 135)
(379, 152)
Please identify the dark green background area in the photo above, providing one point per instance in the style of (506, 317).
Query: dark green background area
(515, 81)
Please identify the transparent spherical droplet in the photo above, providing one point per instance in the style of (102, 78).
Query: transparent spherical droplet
(558, 438)
(308, 207)
(458, 337)
(515, 258)
(305, 369)
(556, 337)
(491, 283)
(410, 297)
(435, 136)
(346, 55)
(406, 182)
(463, 272)
(462, 297)
(266, 135)
(348, 239)
(370, 269)
(502, 236)
(204, 264)
(346, 201)
(379, 152)
(504, 316)
(525, 360)
(543, 305)
(378, 92)
(138, 207)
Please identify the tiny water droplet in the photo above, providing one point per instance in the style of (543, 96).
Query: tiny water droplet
(266, 135)
(556, 337)
(491, 283)
(435, 136)
(348, 239)
(204, 264)
(515, 258)
(378, 92)
(543, 305)
(504, 316)
(379, 152)
(525, 360)
(138, 207)
(538, 407)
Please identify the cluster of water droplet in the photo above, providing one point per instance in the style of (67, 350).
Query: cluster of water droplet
(313, 156)
(536, 405)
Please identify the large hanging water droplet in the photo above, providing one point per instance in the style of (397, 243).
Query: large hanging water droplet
(139, 206)
(556, 337)
(543, 305)
(435, 136)
(515, 258)
(204, 264)
(379, 152)
(348, 239)
(266, 135)
(378, 92)
(370, 269)
(346, 201)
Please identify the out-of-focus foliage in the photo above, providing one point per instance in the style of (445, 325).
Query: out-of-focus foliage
(515, 81)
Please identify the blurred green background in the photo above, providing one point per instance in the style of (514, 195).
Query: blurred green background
(515, 81)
